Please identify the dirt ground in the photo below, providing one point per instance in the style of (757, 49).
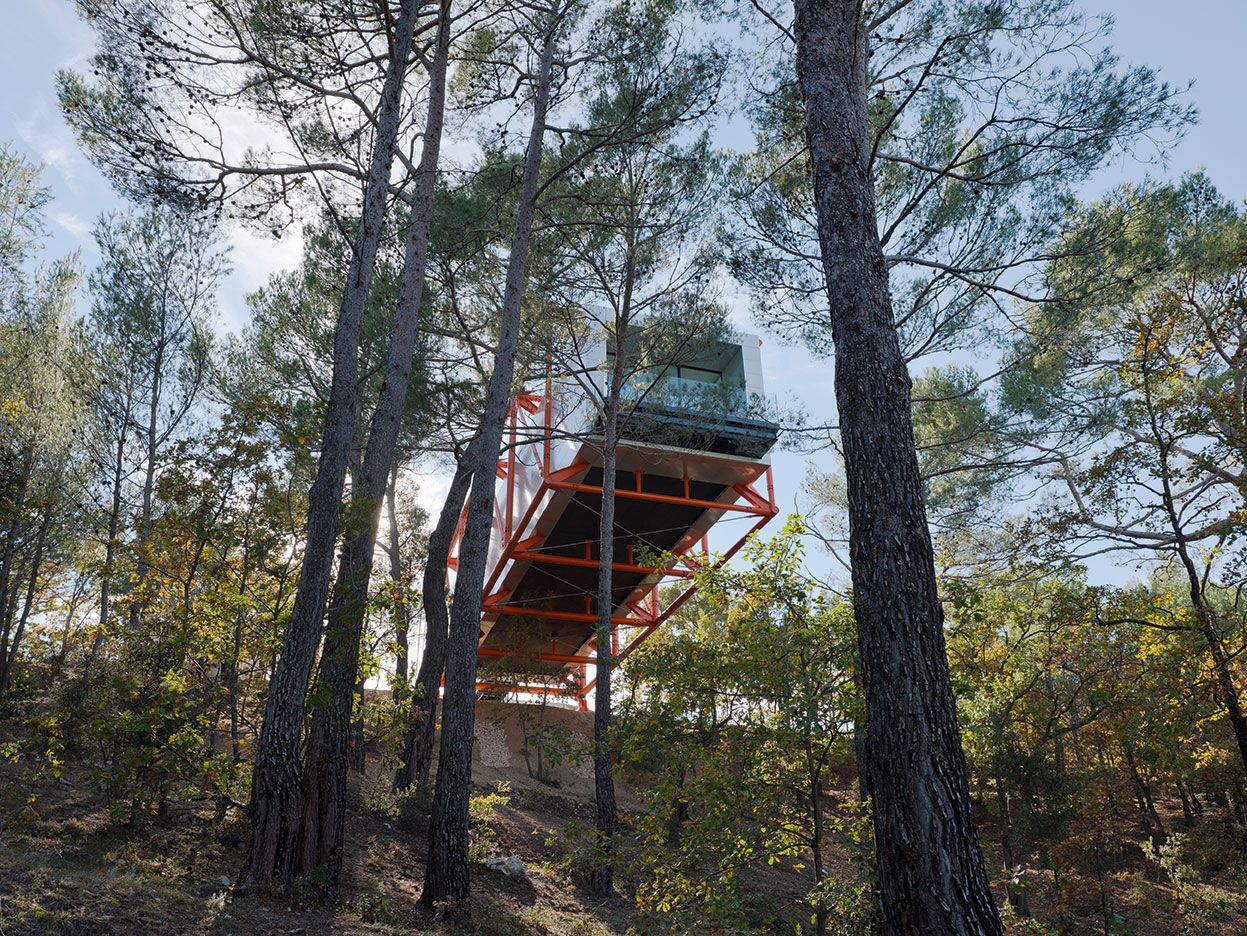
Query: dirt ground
(66, 868)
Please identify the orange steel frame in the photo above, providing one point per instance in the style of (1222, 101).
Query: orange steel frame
(645, 615)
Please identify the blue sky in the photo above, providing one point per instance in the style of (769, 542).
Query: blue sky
(1201, 40)
(1197, 39)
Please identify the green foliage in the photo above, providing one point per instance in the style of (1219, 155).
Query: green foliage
(198, 653)
(738, 712)
(142, 465)
(374, 906)
(1135, 392)
(550, 744)
(286, 354)
(482, 814)
(985, 119)
(1203, 909)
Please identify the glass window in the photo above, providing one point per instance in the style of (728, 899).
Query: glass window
(699, 373)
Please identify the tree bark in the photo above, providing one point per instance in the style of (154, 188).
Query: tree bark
(276, 781)
(78, 693)
(1195, 803)
(7, 603)
(1147, 805)
(602, 875)
(448, 877)
(1205, 615)
(149, 474)
(814, 771)
(1008, 853)
(329, 740)
(110, 553)
(67, 631)
(931, 875)
(1210, 631)
(1188, 814)
(9, 648)
(402, 612)
(417, 753)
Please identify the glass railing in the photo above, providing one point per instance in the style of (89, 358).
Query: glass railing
(718, 416)
(713, 400)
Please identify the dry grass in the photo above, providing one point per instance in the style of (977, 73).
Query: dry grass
(66, 869)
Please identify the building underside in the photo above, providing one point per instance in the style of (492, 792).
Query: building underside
(683, 474)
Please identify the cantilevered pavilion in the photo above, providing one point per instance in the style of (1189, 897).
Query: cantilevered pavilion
(692, 455)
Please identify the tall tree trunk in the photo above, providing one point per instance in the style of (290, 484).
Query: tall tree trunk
(402, 610)
(418, 741)
(1188, 813)
(75, 599)
(1195, 803)
(1205, 615)
(275, 779)
(8, 610)
(110, 556)
(931, 875)
(10, 544)
(602, 875)
(232, 686)
(8, 605)
(447, 876)
(1008, 853)
(1206, 619)
(328, 747)
(77, 694)
(9, 648)
(814, 769)
(1143, 794)
(149, 479)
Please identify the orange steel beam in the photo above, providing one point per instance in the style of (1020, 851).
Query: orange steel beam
(576, 616)
(510, 515)
(509, 547)
(652, 622)
(491, 685)
(656, 498)
(562, 474)
(688, 592)
(544, 656)
(753, 497)
(552, 559)
(644, 615)
(648, 627)
(495, 597)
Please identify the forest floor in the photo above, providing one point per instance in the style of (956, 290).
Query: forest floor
(67, 867)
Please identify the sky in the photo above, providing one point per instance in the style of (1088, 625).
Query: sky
(1200, 40)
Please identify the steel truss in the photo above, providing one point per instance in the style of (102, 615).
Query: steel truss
(643, 612)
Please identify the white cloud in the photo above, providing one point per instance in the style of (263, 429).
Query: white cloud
(73, 224)
(51, 142)
(432, 486)
(61, 157)
(253, 258)
(256, 257)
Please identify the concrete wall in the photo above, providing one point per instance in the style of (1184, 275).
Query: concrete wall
(498, 752)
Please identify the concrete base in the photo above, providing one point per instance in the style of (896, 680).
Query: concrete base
(509, 736)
